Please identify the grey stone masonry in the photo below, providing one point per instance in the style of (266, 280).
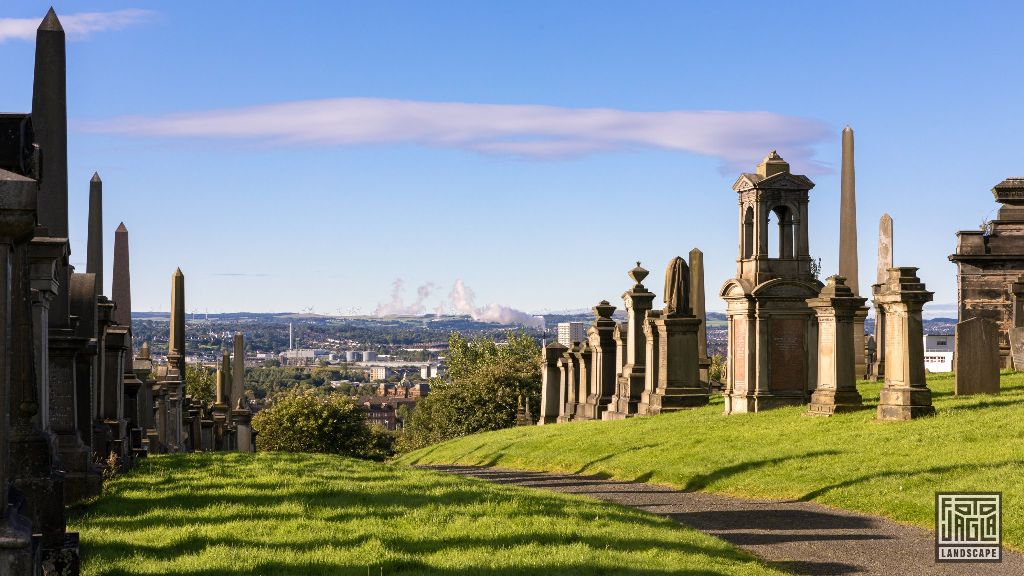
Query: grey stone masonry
(550, 403)
(976, 357)
(630, 384)
(603, 370)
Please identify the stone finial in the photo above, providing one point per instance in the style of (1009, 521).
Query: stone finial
(603, 310)
(144, 351)
(50, 22)
(638, 274)
(835, 287)
(772, 164)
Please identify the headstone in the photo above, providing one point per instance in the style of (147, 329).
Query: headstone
(885, 254)
(905, 395)
(630, 384)
(836, 308)
(549, 400)
(976, 357)
(697, 304)
(601, 339)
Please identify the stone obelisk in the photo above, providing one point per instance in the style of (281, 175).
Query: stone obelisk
(172, 433)
(885, 259)
(94, 252)
(848, 247)
(121, 285)
(138, 397)
(697, 306)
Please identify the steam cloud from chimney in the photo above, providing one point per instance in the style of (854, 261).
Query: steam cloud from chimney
(461, 300)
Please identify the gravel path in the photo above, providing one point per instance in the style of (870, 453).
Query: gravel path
(798, 537)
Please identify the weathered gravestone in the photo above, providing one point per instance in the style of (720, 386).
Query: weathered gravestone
(837, 308)
(976, 359)
(905, 394)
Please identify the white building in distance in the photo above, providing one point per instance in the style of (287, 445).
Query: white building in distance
(938, 352)
(571, 332)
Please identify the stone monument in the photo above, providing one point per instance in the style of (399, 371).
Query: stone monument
(630, 382)
(905, 394)
(601, 340)
(976, 357)
(772, 331)
(848, 267)
(990, 260)
(885, 255)
(551, 404)
(837, 309)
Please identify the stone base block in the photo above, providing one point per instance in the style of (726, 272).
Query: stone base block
(596, 406)
(672, 400)
(616, 415)
(827, 402)
(742, 403)
(547, 420)
(64, 560)
(905, 403)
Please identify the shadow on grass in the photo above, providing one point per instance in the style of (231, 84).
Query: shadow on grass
(702, 481)
(814, 494)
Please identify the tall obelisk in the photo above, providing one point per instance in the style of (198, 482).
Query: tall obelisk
(50, 124)
(848, 248)
(238, 370)
(176, 346)
(121, 284)
(94, 252)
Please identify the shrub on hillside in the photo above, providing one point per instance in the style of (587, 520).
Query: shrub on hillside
(486, 381)
(335, 424)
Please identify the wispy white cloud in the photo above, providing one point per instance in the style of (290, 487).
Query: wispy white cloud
(76, 26)
(736, 138)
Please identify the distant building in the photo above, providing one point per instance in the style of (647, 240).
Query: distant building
(571, 332)
(383, 412)
(303, 356)
(403, 390)
(369, 356)
(352, 356)
(431, 371)
(938, 352)
(380, 373)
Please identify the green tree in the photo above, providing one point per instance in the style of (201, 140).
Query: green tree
(199, 382)
(486, 381)
(305, 422)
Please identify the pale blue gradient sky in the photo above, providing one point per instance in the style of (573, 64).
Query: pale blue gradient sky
(932, 90)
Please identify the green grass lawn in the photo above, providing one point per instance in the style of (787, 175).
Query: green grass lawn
(849, 461)
(280, 514)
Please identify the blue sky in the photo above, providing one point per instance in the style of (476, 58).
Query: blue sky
(308, 155)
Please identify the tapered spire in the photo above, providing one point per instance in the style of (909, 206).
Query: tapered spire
(50, 123)
(176, 345)
(121, 284)
(848, 217)
(94, 253)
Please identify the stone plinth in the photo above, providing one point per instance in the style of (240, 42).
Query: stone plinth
(571, 367)
(630, 383)
(837, 309)
(583, 357)
(242, 417)
(905, 394)
(678, 384)
(976, 360)
(549, 400)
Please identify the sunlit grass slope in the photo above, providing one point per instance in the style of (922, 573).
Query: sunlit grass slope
(279, 514)
(849, 461)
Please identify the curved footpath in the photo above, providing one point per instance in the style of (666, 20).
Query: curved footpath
(798, 537)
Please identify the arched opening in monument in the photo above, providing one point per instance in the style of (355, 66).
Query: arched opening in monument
(786, 232)
(748, 233)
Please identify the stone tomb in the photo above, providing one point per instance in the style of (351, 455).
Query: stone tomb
(976, 359)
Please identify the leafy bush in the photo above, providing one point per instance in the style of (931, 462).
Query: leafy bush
(486, 381)
(302, 422)
(199, 382)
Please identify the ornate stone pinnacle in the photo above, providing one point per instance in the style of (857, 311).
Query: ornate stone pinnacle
(638, 274)
(603, 310)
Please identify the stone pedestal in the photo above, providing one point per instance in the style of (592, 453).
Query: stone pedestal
(837, 310)
(242, 417)
(630, 384)
(905, 394)
(678, 383)
(571, 368)
(549, 380)
(582, 357)
(601, 339)
(82, 480)
(878, 369)
(860, 359)
(976, 360)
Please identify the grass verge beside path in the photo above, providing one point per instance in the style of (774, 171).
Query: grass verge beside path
(850, 461)
(281, 514)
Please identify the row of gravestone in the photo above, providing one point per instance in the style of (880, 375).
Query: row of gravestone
(74, 399)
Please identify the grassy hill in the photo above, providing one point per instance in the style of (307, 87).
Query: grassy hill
(848, 461)
(280, 514)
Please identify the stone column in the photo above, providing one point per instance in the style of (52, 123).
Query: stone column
(848, 267)
(582, 356)
(73, 373)
(638, 301)
(549, 400)
(697, 305)
(572, 382)
(17, 219)
(563, 388)
(601, 339)
(837, 309)
(905, 394)
(652, 359)
(242, 417)
(237, 371)
(219, 411)
(174, 382)
(885, 255)
(113, 389)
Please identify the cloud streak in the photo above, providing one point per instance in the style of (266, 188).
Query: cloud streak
(736, 138)
(77, 26)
